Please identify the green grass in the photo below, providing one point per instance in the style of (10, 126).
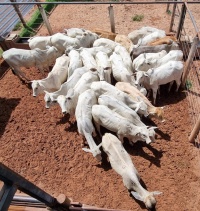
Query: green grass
(169, 12)
(188, 84)
(36, 20)
(137, 17)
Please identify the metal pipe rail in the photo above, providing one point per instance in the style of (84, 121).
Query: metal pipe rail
(84, 2)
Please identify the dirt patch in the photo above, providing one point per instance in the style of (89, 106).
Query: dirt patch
(45, 147)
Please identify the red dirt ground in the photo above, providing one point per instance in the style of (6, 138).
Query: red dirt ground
(45, 147)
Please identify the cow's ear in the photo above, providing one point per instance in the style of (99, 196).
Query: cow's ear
(86, 150)
(136, 195)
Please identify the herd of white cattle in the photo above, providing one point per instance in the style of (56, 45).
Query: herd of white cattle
(104, 83)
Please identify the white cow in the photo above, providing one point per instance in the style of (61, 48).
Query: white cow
(126, 112)
(135, 35)
(70, 83)
(103, 66)
(102, 87)
(125, 57)
(55, 78)
(83, 114)
(134, 93)
(146, 63)
(75, 61)
(143, 61)
(103, 116)
(121, 162)
(107, 43)
(73, 32)
(40, 59)
(150, 37)
(173, 55)
(88, 60)
(63, 42)
(69, 102)
(152, 49)
(153, 78)
(95, 50)
(119, 69)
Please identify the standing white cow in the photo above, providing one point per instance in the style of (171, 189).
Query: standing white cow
(107, 43)
(55, 78)
(134, 93)
(119, 70)
(103, 116)
(102, 87)
(143, 61)
(150, 37)
(62, 42)
(103, 66)
(153, 78)
(75, 61)
(126, 112)
(68, 103)
(83, 114)
(126, 58)
(40, 59)
(88, 59)
(156, 60)
(51, 97)
(121, 162)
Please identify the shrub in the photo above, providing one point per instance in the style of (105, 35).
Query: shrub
(138, 17)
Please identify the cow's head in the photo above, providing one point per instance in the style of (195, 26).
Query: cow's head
(36, 87)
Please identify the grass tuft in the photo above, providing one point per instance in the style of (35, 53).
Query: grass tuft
(137, 17)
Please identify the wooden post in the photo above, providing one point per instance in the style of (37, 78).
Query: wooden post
(172, 18)
(63, 200)
(195, 131)
(45, 19)
(112, 20)
(16, 7)
(181, 21)
(189, 60)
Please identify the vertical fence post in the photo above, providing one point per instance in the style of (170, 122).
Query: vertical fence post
(172, 18)
(45, 19)
(16, 7)
(112, 20)
(189, 60)
(181, 21)
(195, 131)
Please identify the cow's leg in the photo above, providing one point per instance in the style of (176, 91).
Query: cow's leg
(170, 85)
(20, 74)
(154, 94)
(178, 83)
(97, 126)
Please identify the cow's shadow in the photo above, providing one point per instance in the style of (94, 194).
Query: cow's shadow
(6, 108)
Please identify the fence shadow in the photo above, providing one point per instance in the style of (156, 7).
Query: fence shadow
(6, 108)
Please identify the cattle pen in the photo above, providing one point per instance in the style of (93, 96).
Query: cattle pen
(180, 20)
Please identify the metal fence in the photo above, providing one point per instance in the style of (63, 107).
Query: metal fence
(190, 44)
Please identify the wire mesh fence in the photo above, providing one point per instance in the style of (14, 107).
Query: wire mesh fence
(192, 82)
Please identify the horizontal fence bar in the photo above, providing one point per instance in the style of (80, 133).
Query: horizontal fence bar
(83, 2)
